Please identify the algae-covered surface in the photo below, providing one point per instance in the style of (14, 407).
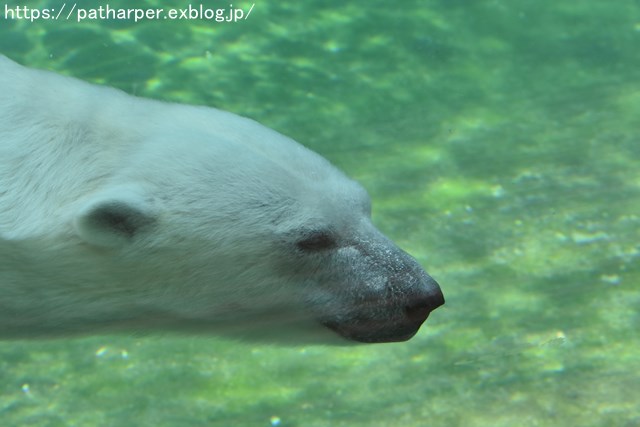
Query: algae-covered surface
(499, 143)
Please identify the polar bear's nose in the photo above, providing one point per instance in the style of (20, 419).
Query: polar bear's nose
(418, 309)
(427, 298)
(392, 320)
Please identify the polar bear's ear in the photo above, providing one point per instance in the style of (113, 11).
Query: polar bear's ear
(114, 217)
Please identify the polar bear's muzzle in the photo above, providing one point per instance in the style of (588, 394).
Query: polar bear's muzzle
(392, 320)
(390, 297)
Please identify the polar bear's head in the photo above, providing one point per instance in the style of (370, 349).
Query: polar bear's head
(123, 213)
(247, 233)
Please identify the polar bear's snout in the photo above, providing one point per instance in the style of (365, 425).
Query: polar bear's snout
(390, 297)
(390, 320)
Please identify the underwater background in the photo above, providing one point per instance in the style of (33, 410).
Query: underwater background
(499, 143)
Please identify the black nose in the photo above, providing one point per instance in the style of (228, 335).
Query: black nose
(418, 309)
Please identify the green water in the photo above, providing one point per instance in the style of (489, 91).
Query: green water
(499, 142)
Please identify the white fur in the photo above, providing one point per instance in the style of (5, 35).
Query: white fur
(120, 212)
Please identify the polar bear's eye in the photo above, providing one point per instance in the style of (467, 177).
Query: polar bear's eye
(317, 240)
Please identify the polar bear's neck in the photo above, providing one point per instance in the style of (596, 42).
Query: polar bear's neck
(55, 141)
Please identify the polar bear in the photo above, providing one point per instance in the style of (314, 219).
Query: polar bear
(122, 213)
